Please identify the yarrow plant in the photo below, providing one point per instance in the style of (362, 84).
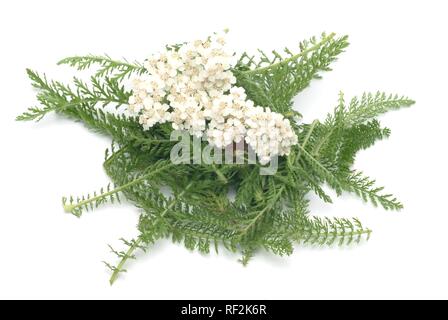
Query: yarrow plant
(228, 102)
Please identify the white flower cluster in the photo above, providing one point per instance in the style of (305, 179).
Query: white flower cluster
(193, 88)
(269, 133)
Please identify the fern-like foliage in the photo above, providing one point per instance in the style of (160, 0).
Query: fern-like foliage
(275, 81)
(329, 231)
(194, 208)
(107, 67)
(373, 105)
(366, 189)
(90, 201)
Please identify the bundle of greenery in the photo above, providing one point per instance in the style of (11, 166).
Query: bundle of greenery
(207, 145)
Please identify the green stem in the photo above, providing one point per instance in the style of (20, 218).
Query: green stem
(307, 138)
(114, 155)
(105, 100)
(71, 207)
(317, 148)
(294, 57)
(121, 264)
(173, 202)
(137, 243)
(313, 159)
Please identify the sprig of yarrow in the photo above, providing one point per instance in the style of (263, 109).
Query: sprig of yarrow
(278, 61)
(107, 67)
(190, 203)
(76, 206)
(58, 97)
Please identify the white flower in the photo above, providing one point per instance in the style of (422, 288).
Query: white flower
(198, 85)
(238, 93)
(154, 113)
(268, 133)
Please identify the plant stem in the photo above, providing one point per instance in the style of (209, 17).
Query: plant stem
(137, 243)
(114, 155)
(307, 137)
(317, 148)
(70, 207)
(121, 264)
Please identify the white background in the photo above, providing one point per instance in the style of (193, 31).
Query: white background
(396, 46)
